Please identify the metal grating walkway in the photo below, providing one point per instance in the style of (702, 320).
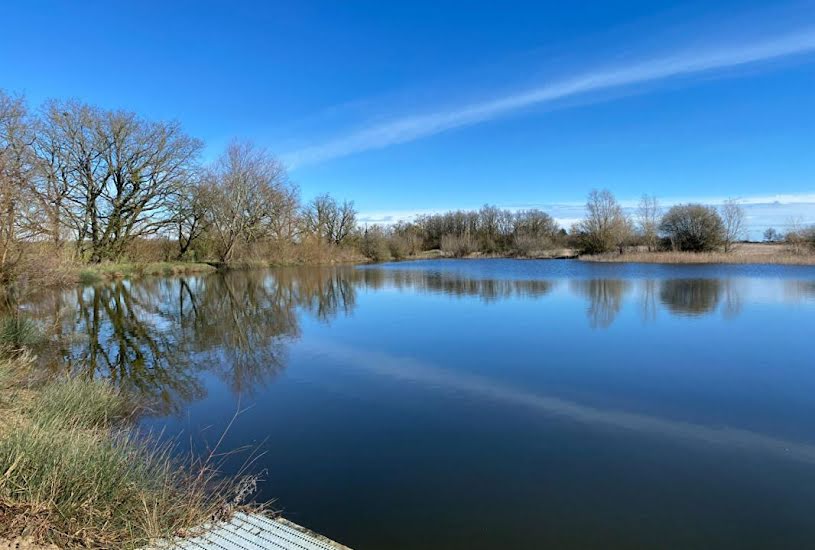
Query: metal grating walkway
(256, 532)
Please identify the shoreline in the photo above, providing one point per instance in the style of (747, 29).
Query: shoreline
(705, 258)
(748, 253)
(111, 272)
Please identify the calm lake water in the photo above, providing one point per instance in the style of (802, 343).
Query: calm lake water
(484, 404)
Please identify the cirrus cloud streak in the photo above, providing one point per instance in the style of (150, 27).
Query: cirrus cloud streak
(413, 127)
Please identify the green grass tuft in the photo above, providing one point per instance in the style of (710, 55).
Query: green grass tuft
(77, 402)
(108, 271)
(18, 332)
(89, 277)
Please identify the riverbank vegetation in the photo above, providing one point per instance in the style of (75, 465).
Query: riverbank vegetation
(73, 472)
(745, 253)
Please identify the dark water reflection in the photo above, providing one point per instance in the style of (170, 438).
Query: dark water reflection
(494, 402)
(691, 296)
(605, 297)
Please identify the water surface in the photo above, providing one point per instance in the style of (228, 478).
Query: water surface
(484, 404)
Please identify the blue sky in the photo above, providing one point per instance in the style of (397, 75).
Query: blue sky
(426, 106)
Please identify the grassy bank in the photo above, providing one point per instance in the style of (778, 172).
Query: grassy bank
(553, 254)
(748, 253)
(68, 274)
(108, 271)
(73, 472)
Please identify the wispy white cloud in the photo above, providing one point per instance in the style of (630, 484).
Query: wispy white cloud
(413, 127)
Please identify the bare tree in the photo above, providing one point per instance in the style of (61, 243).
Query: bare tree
(16, 172)
(71, 170)
(346, 222)
(535, 223)
(330, 221)
(316, 216)
(55, 178)
(606, 226)
(648, 214)
(489, 227)
(111, 176)
(244, 190)
(733, 220)
(146, 163)
(771, 235)
(285, 224)
(190, 215)
(532, 231)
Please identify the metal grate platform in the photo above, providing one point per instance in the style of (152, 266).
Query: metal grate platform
(256, 532)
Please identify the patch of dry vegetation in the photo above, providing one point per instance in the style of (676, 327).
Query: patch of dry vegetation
(74, 473)
(746, 253)
(108, 271)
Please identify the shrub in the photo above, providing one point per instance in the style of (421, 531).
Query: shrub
(800, 239)
(526, 245)
(375, 245)
(399, 247)
(605, 227)
(457, 245)
(771, 235)
(693, 227)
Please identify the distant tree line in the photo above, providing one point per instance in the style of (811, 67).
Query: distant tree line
(489, 230)
(606, 227)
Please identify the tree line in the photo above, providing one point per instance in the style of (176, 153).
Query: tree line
(98, 185)
(489, 230)
(606, 227)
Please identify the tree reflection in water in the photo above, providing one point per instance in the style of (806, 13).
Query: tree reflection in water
(691, 296)
(454, 284)
(648, 300)
(796, 290)
(605, 298)
(158, 335)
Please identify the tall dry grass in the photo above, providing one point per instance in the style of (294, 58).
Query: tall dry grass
(73, 471)
(739, 256)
